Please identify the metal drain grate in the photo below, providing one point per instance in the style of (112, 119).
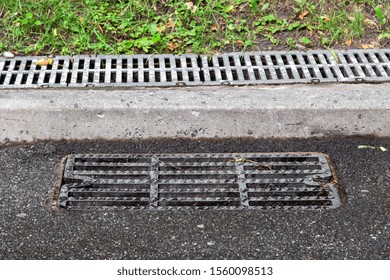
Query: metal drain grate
(109, 70)
(196, 181)
(175, 70)
(297, 67)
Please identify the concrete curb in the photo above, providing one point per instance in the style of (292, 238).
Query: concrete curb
(298, 111)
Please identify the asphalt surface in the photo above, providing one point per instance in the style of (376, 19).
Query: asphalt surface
(360, 229)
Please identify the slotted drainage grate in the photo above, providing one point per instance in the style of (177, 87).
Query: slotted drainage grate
(196, 181)
(175, 70)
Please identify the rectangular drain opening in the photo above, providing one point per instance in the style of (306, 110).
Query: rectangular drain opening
(196, 181)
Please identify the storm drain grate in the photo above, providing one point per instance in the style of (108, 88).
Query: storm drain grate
(297, 67)
(189, 69)
(196, 181)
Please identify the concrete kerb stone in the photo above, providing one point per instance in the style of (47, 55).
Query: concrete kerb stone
(286, 111)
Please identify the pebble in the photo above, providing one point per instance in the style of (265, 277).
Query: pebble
(8, 55)
(200, 226)
(21, 215)
(211, 243)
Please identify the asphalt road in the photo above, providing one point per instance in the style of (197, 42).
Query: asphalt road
(358, 230)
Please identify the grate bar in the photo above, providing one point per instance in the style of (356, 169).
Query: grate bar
(140, 182)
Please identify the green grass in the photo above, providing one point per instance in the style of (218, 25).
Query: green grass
(208, 26)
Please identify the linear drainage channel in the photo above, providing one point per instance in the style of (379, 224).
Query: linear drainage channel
(195, 181)
(167, 70)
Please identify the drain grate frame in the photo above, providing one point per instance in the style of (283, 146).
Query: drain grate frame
(167, 70)
(248, 181)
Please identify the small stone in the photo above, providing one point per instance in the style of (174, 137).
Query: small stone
(364, 191)
(200, 226)
(8, 55)
(21, 215)
(211, 243)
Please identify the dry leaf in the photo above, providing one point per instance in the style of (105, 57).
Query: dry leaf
(191, 6)
(370, 24)
(172, 46)
(376, 44)
(44, 62)
(240, 42)
(171, 24)
(367, 46)
(348, 42)
(303, 14)
(161, 28)
(101, 29)
(383, 149)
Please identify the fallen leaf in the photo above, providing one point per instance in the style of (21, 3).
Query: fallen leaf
(303, 14)
(191, 6)
(240, 42)
(300, 47)
(367, 46)
(383, 149)
(348, 42)
(101, 29)
(172, 46)
(376, 44)
(370, 23)
(44, 62)
(171, 24)
(161, 28)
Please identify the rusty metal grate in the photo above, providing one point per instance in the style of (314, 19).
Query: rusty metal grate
(273, 67)
(196, 181)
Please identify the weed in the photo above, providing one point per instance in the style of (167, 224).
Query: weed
(290, 43)
(197, 26)
(379, 14)
(306, 40)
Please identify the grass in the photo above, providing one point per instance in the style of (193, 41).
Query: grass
(208, 26)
